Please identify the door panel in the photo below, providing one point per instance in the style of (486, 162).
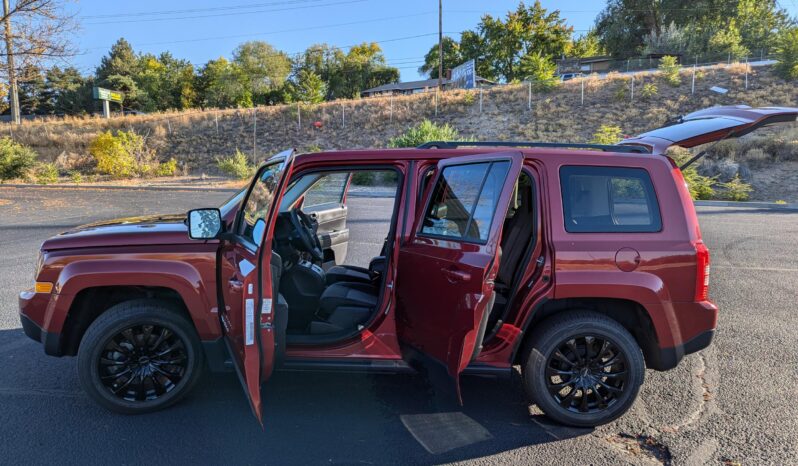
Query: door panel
(332, 232)
(446, 270)
(248, 283)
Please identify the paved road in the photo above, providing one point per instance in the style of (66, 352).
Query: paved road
(733, 402)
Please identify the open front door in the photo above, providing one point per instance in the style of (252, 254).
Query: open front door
(446, 269)
(248, 280)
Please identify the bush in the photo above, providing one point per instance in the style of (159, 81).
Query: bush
(364, 178)
(607, 134)
(168, 168)
(669, 67)
(237, 165)
(540, 71)
(123, 155)
(426, 131)
(787, 54)
(649, 91)
(75, 177)
(46, 173)
(700, 186)
(736, 190)
(15, 159)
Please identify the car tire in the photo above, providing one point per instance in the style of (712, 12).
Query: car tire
(139, 356)
(565, 375)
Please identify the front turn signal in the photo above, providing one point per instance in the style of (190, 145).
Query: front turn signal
(43, 287)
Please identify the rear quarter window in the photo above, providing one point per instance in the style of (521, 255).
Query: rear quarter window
(609, 200)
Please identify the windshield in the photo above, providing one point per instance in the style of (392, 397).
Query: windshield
(256, 208)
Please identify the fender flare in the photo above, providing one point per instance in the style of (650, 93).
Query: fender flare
(178, 276)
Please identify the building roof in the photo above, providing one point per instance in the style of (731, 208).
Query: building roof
(410, 85)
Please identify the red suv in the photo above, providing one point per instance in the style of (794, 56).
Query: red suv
(582, 264)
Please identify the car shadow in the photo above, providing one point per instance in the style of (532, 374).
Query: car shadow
(337, 418)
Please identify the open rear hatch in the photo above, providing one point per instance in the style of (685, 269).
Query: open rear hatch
(711, 125)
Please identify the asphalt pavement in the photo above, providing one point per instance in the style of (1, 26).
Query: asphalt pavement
(734, 402)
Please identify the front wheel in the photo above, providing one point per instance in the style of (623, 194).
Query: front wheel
(139, 356)
(583, 369)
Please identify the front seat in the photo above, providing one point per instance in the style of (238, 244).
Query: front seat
(344, 306)
(352, 273)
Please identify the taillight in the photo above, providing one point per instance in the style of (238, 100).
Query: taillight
(702, 271)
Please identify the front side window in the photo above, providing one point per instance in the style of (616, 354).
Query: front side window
(257, 206)
(609, 200)
(464, 201)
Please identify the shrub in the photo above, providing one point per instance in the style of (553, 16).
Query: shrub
(469, 98)
(168, 168)
(75, 177)
(621, 93)
(426, 131)
(787, 54)
(649, 90)
(607, 134)
(46, 173)
(736, 190)
(123, 155)
(237, 165)
(364, 178)
(669, 67)
(15, 159)
(700, 186)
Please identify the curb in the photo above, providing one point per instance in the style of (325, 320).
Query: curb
(111, 186)
(756, 205)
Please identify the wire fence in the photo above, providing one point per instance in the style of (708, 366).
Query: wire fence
(199, 136)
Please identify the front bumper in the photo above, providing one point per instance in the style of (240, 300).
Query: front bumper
(31, 303)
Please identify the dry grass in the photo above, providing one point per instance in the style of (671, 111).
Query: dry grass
(197, 137)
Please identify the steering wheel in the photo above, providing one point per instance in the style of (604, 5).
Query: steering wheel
(305, 230)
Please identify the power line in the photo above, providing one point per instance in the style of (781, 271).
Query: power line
(198, 10)
(309, 28)
(149, 20)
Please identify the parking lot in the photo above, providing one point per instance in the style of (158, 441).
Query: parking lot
(734, 402)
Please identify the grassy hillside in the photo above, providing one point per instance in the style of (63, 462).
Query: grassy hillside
(197, 138)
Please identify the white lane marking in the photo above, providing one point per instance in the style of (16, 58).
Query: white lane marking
(763, 269)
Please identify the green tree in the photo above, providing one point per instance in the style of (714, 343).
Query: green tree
(787, 54)
(760, 22)
(220, 84)
(451, 58)
(588, 45)
(165, 82)
(121, 60)
(32, 92)
(261, 67)
(727, 40)
(309, 88)
(67, 91)
(540, 71)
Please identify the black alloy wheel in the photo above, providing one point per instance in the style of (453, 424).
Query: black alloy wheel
(140, 356)
(586, 373)
(143, 362)
(582, 368)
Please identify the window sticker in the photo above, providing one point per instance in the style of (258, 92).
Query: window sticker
(266, 308)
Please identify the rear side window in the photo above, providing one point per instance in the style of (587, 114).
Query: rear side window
(609, 200)
(464, 201)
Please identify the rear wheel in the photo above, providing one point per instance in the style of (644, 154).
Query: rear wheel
(583, 369)
(139, 356)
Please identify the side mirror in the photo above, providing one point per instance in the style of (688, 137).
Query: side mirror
(204, 223)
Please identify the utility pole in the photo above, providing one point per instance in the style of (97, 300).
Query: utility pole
(440, 44)
(12, 75)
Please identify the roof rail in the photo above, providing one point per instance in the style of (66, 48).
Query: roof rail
(602, 147)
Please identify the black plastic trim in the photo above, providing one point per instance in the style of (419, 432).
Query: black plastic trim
(553, 145)
(51, 341)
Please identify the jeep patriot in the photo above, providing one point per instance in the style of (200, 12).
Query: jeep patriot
(582, 264)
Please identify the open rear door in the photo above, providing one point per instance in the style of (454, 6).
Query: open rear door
(248, 282)
(446, 269)
(710, 125)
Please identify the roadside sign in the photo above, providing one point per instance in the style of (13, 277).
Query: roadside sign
(465, 76)
(101, 93)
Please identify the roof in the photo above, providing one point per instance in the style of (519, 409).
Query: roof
(410, 85)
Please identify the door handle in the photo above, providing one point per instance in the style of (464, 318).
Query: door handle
(454, 275)
(236, 285)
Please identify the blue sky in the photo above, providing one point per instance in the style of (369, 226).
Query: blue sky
(199, 30)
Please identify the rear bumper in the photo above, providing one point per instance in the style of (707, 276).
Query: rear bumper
(30, 302)
(698, 322)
